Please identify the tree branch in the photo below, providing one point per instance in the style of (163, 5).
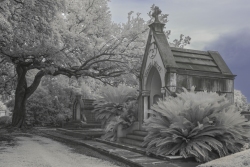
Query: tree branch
(99, 61)
(31, 89)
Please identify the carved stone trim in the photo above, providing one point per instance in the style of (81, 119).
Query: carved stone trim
(145, 93)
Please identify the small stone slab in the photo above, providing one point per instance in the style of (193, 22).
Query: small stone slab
(163, 164)
(144, 159)
(126, 154)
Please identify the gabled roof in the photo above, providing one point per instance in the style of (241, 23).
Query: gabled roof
(183, 59)
(163, 48)
(209, 61)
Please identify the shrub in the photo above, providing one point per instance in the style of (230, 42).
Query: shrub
(117, 106)
(61, 118)
(240, 101)
(112, 102)
(5, 121)
(126, 119)
(201, 125)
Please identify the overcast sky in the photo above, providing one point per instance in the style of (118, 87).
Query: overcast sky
(220, 25)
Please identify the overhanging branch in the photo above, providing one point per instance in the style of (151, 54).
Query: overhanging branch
(31, 89)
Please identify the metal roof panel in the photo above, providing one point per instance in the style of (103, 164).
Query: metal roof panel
(198, 67)
(190, 55)
(195, 61)
(174, 49)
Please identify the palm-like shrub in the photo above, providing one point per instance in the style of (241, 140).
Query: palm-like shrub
(201, 125)
(126, 119)
(116, 107)
(112, 102)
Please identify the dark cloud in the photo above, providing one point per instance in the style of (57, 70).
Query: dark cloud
(235, 49)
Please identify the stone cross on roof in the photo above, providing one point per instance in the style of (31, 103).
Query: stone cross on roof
(156, 13)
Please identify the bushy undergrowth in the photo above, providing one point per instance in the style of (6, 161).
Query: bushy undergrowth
(117, 106)
(5, 121)
(201, 125)
(43, 108)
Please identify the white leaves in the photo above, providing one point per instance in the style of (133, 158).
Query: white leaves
(240, 101)
(6, 36)
(2, 106)
(182, 42)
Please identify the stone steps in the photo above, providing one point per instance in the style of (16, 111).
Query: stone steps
(134, 138)
(140, 133)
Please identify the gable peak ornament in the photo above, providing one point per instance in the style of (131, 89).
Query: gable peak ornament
(157, 25)
(156, 13)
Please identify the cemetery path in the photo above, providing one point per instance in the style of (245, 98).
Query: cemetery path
(37, 151)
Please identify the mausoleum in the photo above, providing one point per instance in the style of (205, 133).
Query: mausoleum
(165, 70)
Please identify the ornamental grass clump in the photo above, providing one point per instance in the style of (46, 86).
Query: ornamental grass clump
(203, 125)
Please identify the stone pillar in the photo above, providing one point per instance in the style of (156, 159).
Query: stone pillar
(227, 87)
(163, 92)
(171, 79)
(145, 96)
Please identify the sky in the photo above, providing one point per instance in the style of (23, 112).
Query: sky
(218, 25)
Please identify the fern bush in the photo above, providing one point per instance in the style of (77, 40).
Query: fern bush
(201, 125)
(125, 119)
(112, 102)
(117, 106)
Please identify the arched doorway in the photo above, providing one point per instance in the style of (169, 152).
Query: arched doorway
(153, 84)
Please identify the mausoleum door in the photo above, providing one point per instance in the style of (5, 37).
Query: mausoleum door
(154, 85)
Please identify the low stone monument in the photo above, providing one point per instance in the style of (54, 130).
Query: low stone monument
(82, 116)
(78, 109)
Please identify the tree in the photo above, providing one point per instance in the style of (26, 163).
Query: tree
(71, 38)
(7, 81)
(240, 101)
(2, 106)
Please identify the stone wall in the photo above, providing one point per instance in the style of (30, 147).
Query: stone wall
(211, 84)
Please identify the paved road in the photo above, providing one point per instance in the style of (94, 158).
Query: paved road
(39, 151)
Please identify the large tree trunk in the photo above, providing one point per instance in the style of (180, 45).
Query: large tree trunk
(19, 113)
(22, 94)
(20, 98)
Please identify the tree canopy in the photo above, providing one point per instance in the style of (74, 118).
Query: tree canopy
(72, 38)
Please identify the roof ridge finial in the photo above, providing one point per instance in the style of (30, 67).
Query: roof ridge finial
(156, 13)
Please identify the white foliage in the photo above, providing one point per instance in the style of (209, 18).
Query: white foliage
(240, 101)
(2, 106)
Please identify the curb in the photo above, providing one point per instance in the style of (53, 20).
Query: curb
(140, 151)
(102, 151)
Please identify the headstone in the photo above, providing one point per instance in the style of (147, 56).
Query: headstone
(77, 108)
